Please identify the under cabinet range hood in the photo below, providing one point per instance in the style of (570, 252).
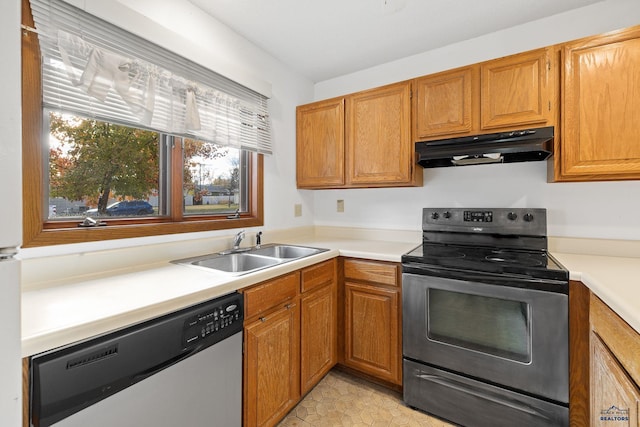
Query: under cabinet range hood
(505, 147)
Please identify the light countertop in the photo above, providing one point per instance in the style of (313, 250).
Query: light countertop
(56, 316)
(83, 307)
(62, 314)
(615, 280)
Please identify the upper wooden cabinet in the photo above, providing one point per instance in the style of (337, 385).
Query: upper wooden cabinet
(380, 150)
(320, 144)
(587, 89)
(600, 108)
(361, 140)
(519, 90)
(514, 92)
(443, 104)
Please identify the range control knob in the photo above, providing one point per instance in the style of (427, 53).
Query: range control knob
(447, 214)
(512, 216)
(434, 215)
(528, 217)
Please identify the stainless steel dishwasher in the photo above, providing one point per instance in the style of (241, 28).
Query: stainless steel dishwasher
(182, 369)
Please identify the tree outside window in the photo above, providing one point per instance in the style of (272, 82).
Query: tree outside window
(93, 164)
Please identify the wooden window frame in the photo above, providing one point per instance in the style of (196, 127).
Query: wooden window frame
(39, 232)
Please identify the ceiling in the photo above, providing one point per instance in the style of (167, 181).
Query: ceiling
(323, 39)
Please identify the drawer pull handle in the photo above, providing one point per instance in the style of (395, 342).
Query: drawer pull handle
(263, 319)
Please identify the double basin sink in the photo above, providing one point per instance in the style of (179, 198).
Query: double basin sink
(247, 260)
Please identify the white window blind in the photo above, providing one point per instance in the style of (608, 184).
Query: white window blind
(95, 69)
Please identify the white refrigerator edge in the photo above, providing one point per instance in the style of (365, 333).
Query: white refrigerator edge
(10, 215)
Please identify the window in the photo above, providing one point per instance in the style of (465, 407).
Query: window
(100, 169)
(136, 177)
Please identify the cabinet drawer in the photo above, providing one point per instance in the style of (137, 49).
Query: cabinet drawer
(271, 293)
(318, 275)
(370, 271)
(621, 339)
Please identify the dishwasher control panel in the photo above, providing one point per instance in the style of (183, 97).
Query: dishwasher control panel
(215, 320)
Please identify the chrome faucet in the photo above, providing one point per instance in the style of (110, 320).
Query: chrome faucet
(237, 239)
(258, 239)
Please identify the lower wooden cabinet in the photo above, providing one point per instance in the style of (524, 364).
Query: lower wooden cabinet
(614, 368)
(272, 366)
(319, 329)
(615, 398)
(271, 350)
(579, 354)
(290, 339)
(292, 327)
(372, 338)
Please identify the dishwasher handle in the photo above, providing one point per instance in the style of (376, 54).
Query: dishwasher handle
(159, 367)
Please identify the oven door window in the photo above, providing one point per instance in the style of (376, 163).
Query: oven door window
(494, 326)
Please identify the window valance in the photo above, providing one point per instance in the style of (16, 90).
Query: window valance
(94, 69)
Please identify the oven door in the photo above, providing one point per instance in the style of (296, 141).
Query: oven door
(510, 336)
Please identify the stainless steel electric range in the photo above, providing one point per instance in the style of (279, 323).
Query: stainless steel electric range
(485, 320)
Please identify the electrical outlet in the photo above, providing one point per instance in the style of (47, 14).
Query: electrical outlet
(340, 205)
(297, 209)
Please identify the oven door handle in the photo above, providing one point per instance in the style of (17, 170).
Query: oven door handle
(468, 389)
(463, 275)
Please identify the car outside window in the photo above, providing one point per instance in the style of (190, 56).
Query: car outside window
(126, 208)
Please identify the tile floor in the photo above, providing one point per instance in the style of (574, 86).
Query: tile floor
(341, 399)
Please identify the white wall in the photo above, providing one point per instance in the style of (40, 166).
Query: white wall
(597, 210)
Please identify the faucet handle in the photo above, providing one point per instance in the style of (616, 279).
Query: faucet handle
(237, 239)
(258, 239)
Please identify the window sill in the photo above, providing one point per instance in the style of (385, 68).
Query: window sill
(93, 234)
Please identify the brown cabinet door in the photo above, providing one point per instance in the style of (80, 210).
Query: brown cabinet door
(319, 334)
(601, 108)
(517, 90)
(271, 366)
(614, 396)
(443, 103)
(320, 144)
(372, 340)
(379, 144)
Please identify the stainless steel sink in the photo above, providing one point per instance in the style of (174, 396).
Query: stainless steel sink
(236, 263)
(286, 251)
(247, 260)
